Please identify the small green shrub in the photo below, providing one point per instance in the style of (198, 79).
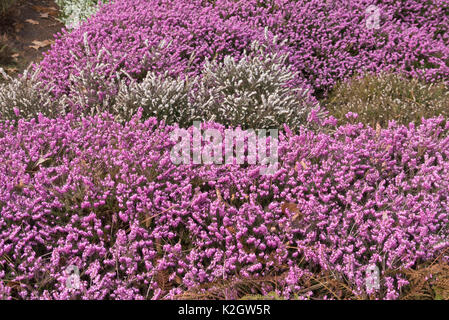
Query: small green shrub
(380, 98)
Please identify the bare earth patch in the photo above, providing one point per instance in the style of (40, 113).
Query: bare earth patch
(26, 32)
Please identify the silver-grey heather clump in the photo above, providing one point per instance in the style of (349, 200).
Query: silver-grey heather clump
(159, 96)
(25, 97)
(253, 92)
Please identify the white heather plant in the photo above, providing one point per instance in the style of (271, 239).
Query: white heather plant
(92, 92)
(25, 97)
(104, 88)
(253, 92)
(159, 96)
(73, 12)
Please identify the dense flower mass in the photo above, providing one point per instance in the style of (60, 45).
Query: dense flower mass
(327, 40)
(106, 197)
(89, 186)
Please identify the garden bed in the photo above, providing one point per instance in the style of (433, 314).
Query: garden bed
(95, 203)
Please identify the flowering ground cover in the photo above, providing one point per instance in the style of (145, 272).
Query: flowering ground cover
(88, 183)
(327, 41)
(108, 199)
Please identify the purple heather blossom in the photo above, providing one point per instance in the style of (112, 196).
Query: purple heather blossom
(327, 41)
(108, 200)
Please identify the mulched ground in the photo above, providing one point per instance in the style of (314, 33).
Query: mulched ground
(26, 32)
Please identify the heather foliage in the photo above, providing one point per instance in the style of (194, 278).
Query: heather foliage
(87, 178)
(91, 90)
(106, 198)
(74, 12)
(253, 92)
(327, 40)
(162, 97)
(377, 99)
(26, 96)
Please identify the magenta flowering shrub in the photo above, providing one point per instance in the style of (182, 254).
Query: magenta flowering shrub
(327, 40)
(106, 197)
(433, 15)
(371, 197)
(130, 30)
